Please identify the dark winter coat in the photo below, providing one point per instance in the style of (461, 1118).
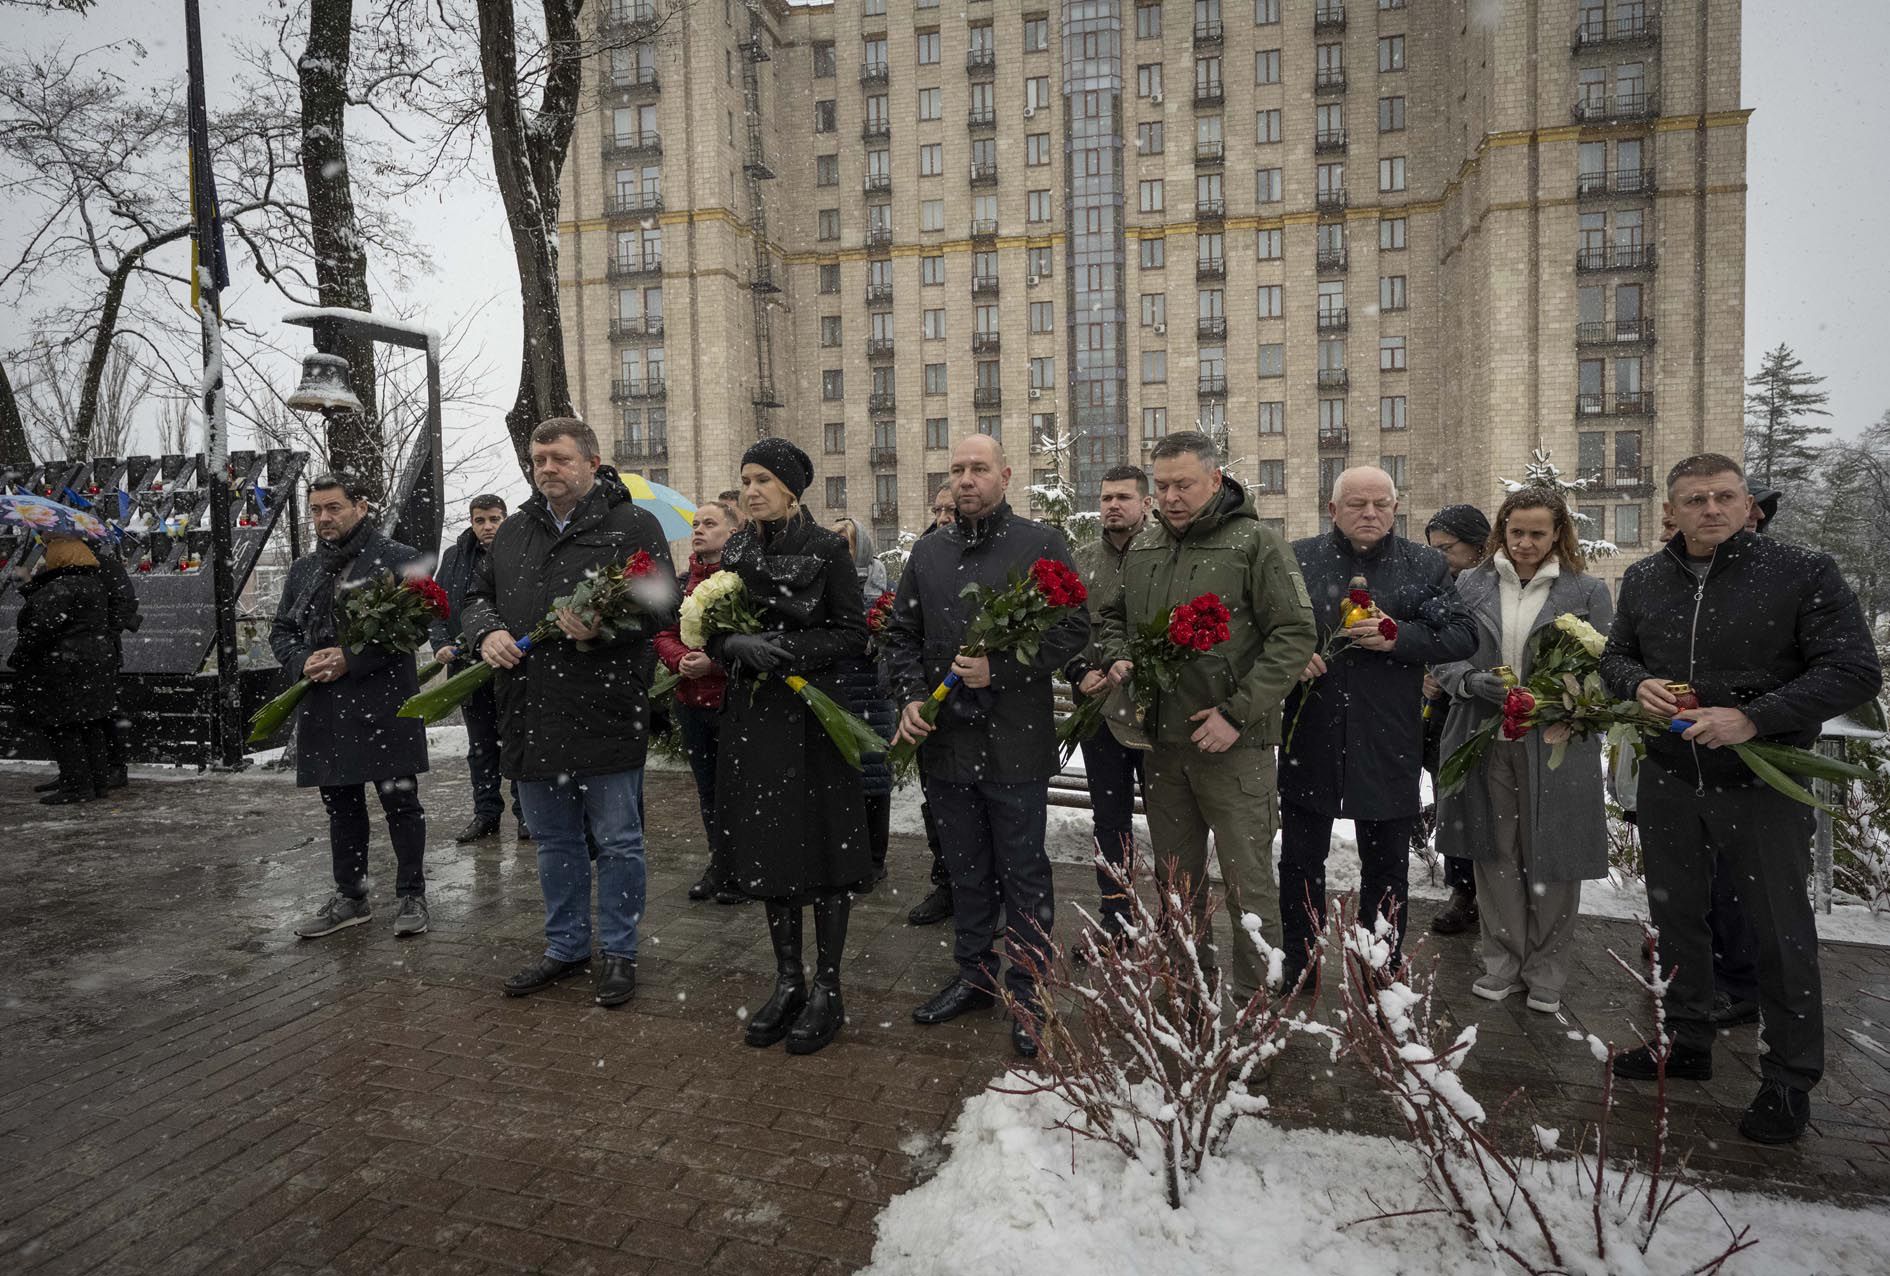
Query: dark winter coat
(1101, 564)
(346, 731)
(459, 567)
(67, 653)
(862, 676)
(1773, 630)
(1357, 750)
(790, 808)
(124, 615)
(1005, 733)
(571, 708)
(698, 693)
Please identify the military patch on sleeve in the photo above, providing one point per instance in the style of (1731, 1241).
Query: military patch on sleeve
(1299, 587)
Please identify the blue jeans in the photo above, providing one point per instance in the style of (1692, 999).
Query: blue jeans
(558, 812)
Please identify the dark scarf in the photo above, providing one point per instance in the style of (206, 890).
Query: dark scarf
(975, 532)
(316, 605)
(776, 567)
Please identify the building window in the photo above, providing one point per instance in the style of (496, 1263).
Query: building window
(1148, 22)
(1266, 13)
(1391, 292)
(1267, 244)
(931, 104)
(874, 9)
(1266, 126)
(833, 385)
(1270, 360)
(928, 48)
(1332, 417)
(1148, 138)
(1037, 149)
(1148, 79)
(824, 116)
(826, 170)
(836, 491)
(825, 63)
(1043, 316)
(834, 437)
(931, 159)
(1391, 173)
(931, 214)
(932, 324)
(1270, 305)
(1391, 354)
(1154, 423)
(1039, 261)
(1390, 114)
(1592, 522)
(1266, 66)
(1154, 309)
(1154, 366)
(1037, 34)
(1272, 480)
(1391, 233)
(932, 271)
(1273, 418)
(1154, 254)
(1394, 466)
(1037, 206)
(938, 431)
(1391, 53)
(829, 331)
(1036, 93)
(935, 378)
(1391, 412)
(1267, 186)
(1043, 372)
(830, 278)
(1627, 525)
(1150, 198)
(830, 223)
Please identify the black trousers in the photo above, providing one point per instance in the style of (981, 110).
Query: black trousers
(879, 826)
(702, 735)
(1114, 772)
(1765, 841)
(941, 875)
(481, 714)
(1384, 848)
(348, 834)
(993, 838)
(83, 752)
(1735, 947)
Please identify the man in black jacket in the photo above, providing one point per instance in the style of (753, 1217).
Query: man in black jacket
(574, 714)
(1772, 641)
(458, 567)
(989, 758)
(937, 904)
(1355, 735)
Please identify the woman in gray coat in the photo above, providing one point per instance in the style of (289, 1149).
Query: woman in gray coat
(1534, 834)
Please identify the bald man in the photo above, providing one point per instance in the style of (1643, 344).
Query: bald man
(986, 764)
(1358, 745)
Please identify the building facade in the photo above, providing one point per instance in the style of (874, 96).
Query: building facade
(1436, 235)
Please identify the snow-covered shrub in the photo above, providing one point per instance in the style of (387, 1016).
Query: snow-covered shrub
(1860, 837)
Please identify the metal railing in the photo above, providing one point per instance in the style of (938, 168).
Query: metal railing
(1212, 93)
(984, 285)
(633, 265)
(1210, 268)
(879, 347)
(645, 388)
(1334, 259)
(987, 396)
(979, 62)
(1620, 181)
(875, 73)
(1334, 378)
(984, 228)
(1616, 257)
(1620, 480)
(1210, 328)
(1329, 17)
(1328, 140)
(876, 130)
(1620, 403)
(1210, 152)
(878, 183)
(1211, 385)
(1598, 33)
(633, 329)
(879, 294)
(984, 174)
(1330, 201)
(1615, 332)
(1210, 210)
(981, 117)
(1333, 319)
(1335, 437)
(1601, 108)
(1208, 33)
(632, 143)
(881, 403)
(1329, 81)
(984, 343)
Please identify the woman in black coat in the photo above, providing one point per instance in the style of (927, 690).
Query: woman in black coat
(868, 694)
(791, 817)
(67, 658)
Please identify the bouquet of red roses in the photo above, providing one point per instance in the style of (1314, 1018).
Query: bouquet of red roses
(385, 611)
(1159, 651)
(609, 598)
(1012, 619)
(879, 615)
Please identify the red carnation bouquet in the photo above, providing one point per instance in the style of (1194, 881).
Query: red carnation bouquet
(383, 611)
(1012, 619)
(1159, 651)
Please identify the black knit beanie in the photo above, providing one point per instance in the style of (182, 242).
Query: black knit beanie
(783, 460)
(1465, 522)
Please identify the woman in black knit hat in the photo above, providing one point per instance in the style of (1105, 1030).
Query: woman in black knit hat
(790, 809)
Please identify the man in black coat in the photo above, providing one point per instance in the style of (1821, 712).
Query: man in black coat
(1355, 739)
(125, 619)
(458, 566)
(1774, 644)
(574, 715)
(347, 734)
(937, 904)
(989, 758)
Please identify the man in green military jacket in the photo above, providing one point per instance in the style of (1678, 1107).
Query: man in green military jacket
(1212, 767)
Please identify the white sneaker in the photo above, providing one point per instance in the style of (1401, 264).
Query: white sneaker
(1492, 988)
(1547, 1004)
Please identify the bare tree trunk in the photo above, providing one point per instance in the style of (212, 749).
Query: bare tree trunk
(354, 438)
(527, 158)
(14, 448)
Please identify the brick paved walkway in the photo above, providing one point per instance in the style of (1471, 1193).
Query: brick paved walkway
(187, 1088)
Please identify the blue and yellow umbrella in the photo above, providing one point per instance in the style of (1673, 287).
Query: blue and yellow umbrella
(676, 512)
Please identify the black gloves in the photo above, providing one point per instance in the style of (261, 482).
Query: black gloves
(757, 651)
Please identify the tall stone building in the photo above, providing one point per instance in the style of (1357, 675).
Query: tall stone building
(1435, 235)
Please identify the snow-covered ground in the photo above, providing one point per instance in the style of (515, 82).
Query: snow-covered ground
(1008, 1201)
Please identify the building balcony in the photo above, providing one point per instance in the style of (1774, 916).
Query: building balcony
(624, 145)
(1211, 93)
(984, 343)
(1621, 181)
(1210, 268)
(886, 511)
(1328, 81)
(1335, 436)
(984, 285)
(634, 266)
(877, 184)
(1616, 257)
(765, 397)
(1210, 154)
(1616, 108)
(629, 22)
(1329, 17)
(1621, 33)
(1615, 332)
(1208, 35)
(882, 457)
(629, 202)
(1210, 328)
(875, 73)
(1211, 385)
(1333, 319)
(987, 396)
(762, 278)
(1329, 141)
(878, 295)
(981, 117)
(638, 329)
(638, 390)
(1620, 480)
(876, 131)
(879, 347)
(1330, 201)
(633, 88)
(981, 64)
(881, 403)
(1334, 378)
(757, 162)
(984, 229)
(638, 453)
(1331, 259)
(879, 236)
(1210, 210)
(1620, 403)
(984, 174)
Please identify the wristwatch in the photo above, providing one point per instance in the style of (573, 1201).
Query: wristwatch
(1240, 728)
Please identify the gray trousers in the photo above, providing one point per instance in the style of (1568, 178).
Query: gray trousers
(1528, 926)
(1765, 840)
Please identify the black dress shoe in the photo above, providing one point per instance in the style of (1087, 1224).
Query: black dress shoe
(116, 778)
(1458, 916)
(1730, 1012)
(1683, 1064)
(729, 895)
(618, 983)
(65, 797)
(480, 828)
(703, 887)
(525, 834)
(1021, 1041)
(48, 787)
(934, 908)
(819, 1020)
(542, 973)
(1778, 1115)
(951, 1001)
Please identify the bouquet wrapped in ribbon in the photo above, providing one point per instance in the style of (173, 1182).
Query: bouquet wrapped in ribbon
(384, 611)
(1159, 652)
(609, 599)
(1012, 619)
(720, 605)
(1358, 606)
(1565, 689)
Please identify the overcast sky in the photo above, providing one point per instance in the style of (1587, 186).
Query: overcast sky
(1817, 264)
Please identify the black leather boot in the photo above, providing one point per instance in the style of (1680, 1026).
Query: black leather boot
(823, 1015)
(777, 1014)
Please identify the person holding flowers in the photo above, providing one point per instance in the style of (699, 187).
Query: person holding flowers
(458, 565)
(1745, 639)
(1533, 823)
(989, 745)
(1228, 590)
(791, 815)
(574, 704)
(346, 734)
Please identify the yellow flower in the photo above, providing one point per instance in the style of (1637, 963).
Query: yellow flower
(1593, 641)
